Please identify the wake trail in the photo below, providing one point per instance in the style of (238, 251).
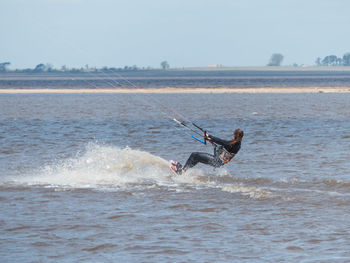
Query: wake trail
(110, 168)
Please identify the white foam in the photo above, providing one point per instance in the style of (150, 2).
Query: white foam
(250, 191)
(109, 168)
(104, 166)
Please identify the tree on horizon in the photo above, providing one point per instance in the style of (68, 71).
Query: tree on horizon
(346, 59)
(276, 60)
(164, 65)
(331, 60)
(3, 66)
(39, 68)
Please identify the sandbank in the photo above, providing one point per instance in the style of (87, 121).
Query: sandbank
(170, 90)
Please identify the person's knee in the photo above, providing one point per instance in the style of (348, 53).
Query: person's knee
(194, 157)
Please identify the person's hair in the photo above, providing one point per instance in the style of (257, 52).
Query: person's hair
(238, 133)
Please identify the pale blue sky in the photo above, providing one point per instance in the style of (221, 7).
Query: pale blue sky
(186, 33)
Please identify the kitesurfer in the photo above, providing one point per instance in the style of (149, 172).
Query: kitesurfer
(224, 151)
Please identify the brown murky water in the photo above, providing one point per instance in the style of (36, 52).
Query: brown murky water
(84, 177)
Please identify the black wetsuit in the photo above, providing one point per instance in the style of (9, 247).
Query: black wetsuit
(223, 153)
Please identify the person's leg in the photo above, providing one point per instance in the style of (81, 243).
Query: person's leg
(198, 157)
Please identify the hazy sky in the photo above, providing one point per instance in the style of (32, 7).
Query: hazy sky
(185, 33)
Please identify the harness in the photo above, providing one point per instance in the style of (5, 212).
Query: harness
(222, 155)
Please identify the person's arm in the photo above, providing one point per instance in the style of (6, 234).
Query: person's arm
(217, 140)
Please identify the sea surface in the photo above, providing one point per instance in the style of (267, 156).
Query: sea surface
(85, 178)
(301, 78)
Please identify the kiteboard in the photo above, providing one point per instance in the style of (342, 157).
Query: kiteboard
(175, 166)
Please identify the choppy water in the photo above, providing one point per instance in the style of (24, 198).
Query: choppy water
(179, 79)
(84, 178)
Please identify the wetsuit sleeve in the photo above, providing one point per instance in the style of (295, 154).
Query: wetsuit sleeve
(219, 141)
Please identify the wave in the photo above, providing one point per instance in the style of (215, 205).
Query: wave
(100, 166)
(250, 191)
(110, 168)
(106, 167)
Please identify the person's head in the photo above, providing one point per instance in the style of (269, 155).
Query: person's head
(238, 135)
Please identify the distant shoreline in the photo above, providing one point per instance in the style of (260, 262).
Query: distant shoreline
(182, 72)
(269, 68)
(194, 80)
(208, 68)
(170, 90)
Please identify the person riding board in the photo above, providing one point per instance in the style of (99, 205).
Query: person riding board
(224, 151)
